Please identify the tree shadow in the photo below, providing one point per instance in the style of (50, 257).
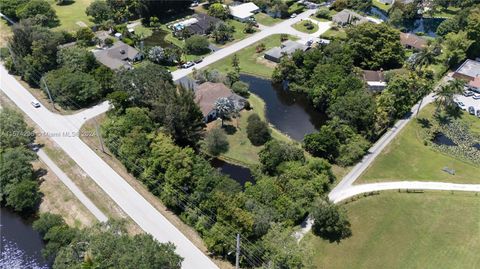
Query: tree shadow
(424, 123)
(66, 3)
(229, 129)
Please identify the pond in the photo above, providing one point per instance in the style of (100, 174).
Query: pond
(442, 139)
(20, 245)
(157, 39)
(428, 26)
(289, 112)
(238, 173)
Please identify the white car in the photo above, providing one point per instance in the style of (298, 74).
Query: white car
(294, 15)
(188, 65)
(462, 105)
(476, 96)
(35, 103)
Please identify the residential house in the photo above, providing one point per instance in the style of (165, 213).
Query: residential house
(118, 55)
(470, 72)
(203, 25)
(287, 48)
(101, 36)
(244, 12)
(348, 17)
(375, 80)
(207, 93)
(412, 41)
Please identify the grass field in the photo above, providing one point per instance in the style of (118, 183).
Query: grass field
(381, 5)
(407, 158)
(5, 33)
(334, 34)
(251, 62)
(241, 151)
(265, 19)
(300, 26)
(72, 13)
(400, 230)
(239, 34)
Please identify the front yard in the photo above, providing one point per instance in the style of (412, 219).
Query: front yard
(251, 61)
(266, 20)
(333, 33)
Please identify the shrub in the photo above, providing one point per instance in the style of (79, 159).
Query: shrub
(216, 142)
(323, 14)
(257, 130)
(197, 44)
(330, 223)
(276, 152)
(241, 88)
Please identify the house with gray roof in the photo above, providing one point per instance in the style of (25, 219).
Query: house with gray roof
(469, 71)
(118, 55)
(348, 17)
(287, 48)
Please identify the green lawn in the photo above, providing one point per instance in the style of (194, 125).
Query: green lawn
(239, 34)
(449, 12)
(265, 19)
(241, 151)
(301, 26)
(407, 158)
(381, 5)
(70, 14)
(400, 230)
(334, 34)
(251, 62)
(296, 8)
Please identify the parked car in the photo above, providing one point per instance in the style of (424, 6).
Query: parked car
(461, 105)
(309, 42)
(194, 4)
(471, 110)
(476, 96)
(188, 65)
(35, 103)
(294, 15)
(199, 60)
(467, 93)
(478, 113)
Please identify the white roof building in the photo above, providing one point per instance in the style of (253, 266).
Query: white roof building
(244, 11)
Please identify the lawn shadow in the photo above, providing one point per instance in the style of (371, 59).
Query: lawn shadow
(424, 123)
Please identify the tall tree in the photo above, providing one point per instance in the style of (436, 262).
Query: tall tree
(224, 108)
(100, 11)
(330, 222)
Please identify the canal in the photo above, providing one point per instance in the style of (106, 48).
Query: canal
(238, 173)
(20, 246)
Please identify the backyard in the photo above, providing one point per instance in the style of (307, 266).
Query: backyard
(407, 158)
(72, 16)
(251, 61)
(241, 151)
(401, 230)
(382, 6)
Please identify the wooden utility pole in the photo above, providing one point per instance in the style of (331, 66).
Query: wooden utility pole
(237, 256)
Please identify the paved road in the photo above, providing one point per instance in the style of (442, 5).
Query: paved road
(280, 28)
(141, 211)
(72, 187)
(376, 149)
(404, 185)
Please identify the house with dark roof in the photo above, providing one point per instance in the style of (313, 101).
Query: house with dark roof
(375, 80)
(348, 17)
(207, 93)
(287, 48)
(412, 41)
(118, 55)
(204, 24)
(469, 71)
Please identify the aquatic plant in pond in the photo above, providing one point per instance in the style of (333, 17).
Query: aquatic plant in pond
(454, 138)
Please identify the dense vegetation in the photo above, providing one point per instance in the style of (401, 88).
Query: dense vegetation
(104, 245)
(18, 180)
(330, 77)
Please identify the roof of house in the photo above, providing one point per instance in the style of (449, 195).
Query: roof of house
(371, 75)
(243, 11)
(475, 82)
(348, 16)
(287, 47)
(469, 68)
(208, 93)
(117, 55)
(102, 35)
(413, 40)
(204, 22)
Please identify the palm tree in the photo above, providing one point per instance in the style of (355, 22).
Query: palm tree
(446, 93)
(424, 58)
(225, 108)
